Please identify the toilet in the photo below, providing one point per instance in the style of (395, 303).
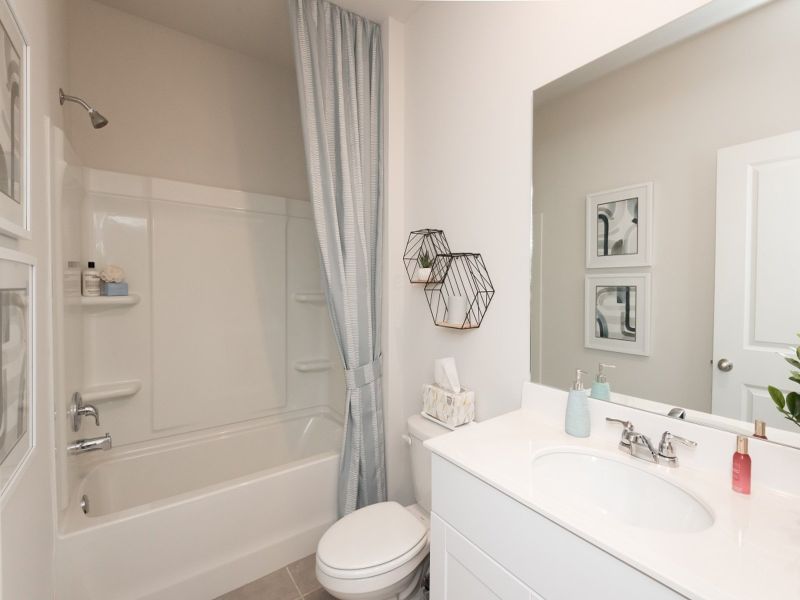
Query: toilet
(380, 552)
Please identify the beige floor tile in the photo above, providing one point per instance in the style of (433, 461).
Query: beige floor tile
(304, 574)
(319, 595)
(275, 586)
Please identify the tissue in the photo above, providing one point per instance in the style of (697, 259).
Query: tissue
(445, 374)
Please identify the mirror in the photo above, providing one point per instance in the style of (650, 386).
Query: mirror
(666, 208)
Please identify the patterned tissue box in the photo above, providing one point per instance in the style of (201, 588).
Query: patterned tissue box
(452, 409)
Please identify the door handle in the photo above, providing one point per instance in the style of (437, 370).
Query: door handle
(724, 365)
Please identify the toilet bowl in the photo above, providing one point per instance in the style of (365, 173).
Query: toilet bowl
(380, 552)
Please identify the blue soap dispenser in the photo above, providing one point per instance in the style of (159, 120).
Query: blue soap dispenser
(600, 388)
(576, 421)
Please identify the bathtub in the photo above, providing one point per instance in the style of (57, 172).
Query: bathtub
(201, 514)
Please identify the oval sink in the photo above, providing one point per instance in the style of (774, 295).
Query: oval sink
(619, 490)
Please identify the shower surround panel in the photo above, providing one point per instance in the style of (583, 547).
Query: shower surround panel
(217, 334)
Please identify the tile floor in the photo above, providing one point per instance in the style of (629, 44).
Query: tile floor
(298, 581)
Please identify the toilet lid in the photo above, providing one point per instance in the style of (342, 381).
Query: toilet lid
(371, 536)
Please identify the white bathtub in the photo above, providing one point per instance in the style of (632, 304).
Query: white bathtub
(194, 517)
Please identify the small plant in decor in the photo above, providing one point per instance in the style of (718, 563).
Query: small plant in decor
(789, 405)
(425, 263)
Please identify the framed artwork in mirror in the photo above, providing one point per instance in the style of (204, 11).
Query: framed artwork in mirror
(617, 313)
(16, 362)
(14, 210)
(619, 226)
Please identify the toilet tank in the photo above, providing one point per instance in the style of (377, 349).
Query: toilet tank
(419, 430)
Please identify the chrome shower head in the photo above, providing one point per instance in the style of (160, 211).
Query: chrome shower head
(98, 120)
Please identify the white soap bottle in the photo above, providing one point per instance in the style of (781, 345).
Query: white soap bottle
(576, 420)
(90, 281)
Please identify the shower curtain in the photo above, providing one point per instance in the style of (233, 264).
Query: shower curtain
(339, 70)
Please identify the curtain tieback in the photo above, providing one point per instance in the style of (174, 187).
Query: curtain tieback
(364, 375)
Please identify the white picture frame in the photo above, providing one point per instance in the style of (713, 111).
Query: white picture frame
(14, 127)
(619, 227)
(17, 364)
(618, 312)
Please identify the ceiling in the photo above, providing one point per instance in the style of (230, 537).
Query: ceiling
(258, 28)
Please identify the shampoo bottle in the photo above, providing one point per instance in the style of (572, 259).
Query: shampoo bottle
(600, 388)
(742, 466)
(90, 281)
(576, 421)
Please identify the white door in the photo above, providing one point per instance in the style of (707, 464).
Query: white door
(757, 291)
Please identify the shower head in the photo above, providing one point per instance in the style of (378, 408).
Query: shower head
(98, 120)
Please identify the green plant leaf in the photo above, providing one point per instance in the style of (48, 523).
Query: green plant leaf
(797, 351)
(793, 404)
(777, 397)
(792, 361)
(795, 378)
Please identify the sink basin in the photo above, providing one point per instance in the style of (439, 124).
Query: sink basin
(618, 490)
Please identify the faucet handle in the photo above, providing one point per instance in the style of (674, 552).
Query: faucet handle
(627, 425)
(666, 450)
(78, 410)
(667, 438)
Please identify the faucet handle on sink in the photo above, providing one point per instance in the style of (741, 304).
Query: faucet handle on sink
(667, 452)
(626, 424)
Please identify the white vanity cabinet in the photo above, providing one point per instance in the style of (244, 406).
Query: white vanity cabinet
(487, 546)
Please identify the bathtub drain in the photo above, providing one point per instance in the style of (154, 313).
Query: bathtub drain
(85, 504)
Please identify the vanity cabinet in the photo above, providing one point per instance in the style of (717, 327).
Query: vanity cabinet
(487, 546)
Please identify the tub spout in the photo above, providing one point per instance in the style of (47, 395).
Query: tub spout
(89, 444)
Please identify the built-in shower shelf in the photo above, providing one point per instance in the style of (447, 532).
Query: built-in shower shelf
(110, 301)
(111, 391)
(309, 297)
(311, 366)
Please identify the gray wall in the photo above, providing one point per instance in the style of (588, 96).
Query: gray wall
(661, 119)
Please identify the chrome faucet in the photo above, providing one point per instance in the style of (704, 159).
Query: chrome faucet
(90, 444)
(632, 441)
(666, 453)
(677, 413)
(78, 410)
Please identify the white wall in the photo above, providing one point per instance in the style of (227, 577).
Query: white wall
(661, 119)
(182, 108)
(470, 70)
(26, 509)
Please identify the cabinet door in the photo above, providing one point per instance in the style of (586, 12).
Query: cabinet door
(460, 571)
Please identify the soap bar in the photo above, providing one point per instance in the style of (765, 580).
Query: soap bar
(451, 408)
(113, 289)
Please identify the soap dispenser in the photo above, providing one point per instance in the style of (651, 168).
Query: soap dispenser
(576, 421)
(600, 388)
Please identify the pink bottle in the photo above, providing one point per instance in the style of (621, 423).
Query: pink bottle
(741, 467)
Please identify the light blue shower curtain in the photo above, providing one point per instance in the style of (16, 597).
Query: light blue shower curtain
(339, 70)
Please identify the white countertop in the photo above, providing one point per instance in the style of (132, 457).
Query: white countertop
(751, 552)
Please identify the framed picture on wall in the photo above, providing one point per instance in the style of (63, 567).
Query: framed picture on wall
(14, 146)
(619, 227)
(16, 362)
(617, 313)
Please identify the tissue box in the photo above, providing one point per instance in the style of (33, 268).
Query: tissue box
(451, 408)
(113, 289)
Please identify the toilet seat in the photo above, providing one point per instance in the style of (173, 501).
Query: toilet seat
(372, 541)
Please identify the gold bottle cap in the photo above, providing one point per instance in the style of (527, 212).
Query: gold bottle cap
(761, 429)
(741, 444)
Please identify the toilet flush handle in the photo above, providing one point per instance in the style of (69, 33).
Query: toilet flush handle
(406, 439)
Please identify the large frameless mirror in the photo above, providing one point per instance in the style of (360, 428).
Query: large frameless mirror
(666, 210)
